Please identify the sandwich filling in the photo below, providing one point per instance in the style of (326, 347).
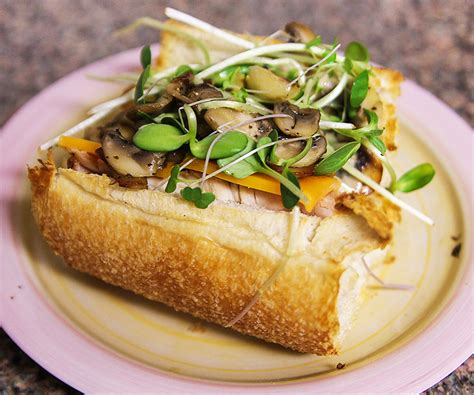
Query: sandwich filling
(286, 122)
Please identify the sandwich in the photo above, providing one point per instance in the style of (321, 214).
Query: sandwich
(244, 180)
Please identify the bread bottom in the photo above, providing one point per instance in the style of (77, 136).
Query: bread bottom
(210, 263)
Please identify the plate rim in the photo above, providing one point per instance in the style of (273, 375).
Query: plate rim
(16, 323)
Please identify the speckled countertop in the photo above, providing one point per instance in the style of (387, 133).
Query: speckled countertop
(431, 42)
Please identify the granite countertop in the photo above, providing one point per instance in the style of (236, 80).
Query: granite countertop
(431, 42)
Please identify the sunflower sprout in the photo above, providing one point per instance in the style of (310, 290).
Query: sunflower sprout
(195, 22)
(334, 94)
(386, 194)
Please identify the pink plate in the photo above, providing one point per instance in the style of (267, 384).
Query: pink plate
(59, 338)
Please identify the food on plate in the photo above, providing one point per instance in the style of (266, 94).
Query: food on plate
(244, 180)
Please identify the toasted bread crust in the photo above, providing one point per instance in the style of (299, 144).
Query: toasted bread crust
(381, 214)
(130, 239)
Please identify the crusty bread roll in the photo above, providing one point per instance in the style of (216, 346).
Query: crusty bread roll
(211, 263)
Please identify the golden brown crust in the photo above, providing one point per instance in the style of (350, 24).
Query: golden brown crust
(181, 260)
(381, 214)
(384, 88)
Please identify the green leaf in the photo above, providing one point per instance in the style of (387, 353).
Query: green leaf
(347, 65)
(263, 153)
(173, 180)
(337, 159)
(229, 144)
(241, 95)
(315, 41)
(206, 199)
(187, 194)
(183, 69)
(356, 51)
(416, 178)
(288, 199)
(292, 74)
(159, 137)
(359, 89)
(377, 143)
(145, 56)
(331, 59)
(243, 168)
(139, 89)
(372, 119)
(195, 195)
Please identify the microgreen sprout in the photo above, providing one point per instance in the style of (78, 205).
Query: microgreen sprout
(197, 196)
(192, 21)
(359, 89)
(333, 95)
(337, 159)
(139, 89)
(173, 180)
(183, 69)
(335, 85)
(145, 56)
(416, 178)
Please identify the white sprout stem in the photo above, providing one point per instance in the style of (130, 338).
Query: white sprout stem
(388, 195)
(168, 72)
(208, 156)
(118, 78)
(212, 99)
(192, 21)
(335, 125)
(251, 54)
(334, 94)
(249, 121)
(111, 104)
(307, 91)
(258, 106)
(294, 225)
(76, 129)
(186, 164)
(234, 105)
(317, 64)
(299, 58)
(386, 164)
(346, 188)
(383, 284)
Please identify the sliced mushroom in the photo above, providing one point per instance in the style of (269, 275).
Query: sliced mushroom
(217, 117)
(297, 171)
(290, 150)
(127, 159)
(369, 164)
(299, 32)
(268, 85)
(127, 129)
(184, 90)
(302, 122)
(163, 104)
